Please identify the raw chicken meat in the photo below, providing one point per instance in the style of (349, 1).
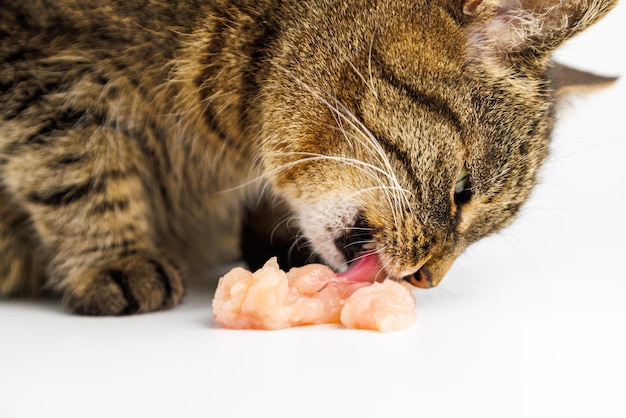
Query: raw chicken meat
(272, 299)
(386, 306)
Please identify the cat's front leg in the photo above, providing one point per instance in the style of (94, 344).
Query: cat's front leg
(95, 204)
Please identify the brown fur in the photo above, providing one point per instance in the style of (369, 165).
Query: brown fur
(133, 134)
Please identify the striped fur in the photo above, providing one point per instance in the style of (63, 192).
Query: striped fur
(135, 136)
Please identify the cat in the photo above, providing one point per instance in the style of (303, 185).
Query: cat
(139, 141)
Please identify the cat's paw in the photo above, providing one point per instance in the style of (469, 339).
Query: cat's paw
(138, 283)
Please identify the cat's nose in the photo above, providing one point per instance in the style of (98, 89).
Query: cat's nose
(420, 278)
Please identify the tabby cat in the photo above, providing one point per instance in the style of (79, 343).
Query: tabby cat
(139, 140)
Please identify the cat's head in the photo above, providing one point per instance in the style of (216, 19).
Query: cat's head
(411, 129)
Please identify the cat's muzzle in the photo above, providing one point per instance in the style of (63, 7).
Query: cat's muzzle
(354, 246)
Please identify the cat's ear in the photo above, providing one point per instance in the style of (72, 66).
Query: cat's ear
(528, 29)
(570, 80)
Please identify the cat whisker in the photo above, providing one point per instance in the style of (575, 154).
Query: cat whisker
(344, 113)
(361, 256)
(496, 176)
(371, 140)
(284, 222)
(373, 188)
(555, 158)
(378, 252)
(392, 198)
(355, 132)
(369, 83)
(383, 269)
(298, 241)
(399, 193)
(358, 164)
(310, 157)
(369, 243)
(355, 228)
(369, 62)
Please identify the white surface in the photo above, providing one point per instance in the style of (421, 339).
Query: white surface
(529, 323)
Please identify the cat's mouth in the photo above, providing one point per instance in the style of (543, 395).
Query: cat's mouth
(360, 253)
(367, 267)
(364, 263)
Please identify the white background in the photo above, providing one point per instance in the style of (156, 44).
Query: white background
(529, 323)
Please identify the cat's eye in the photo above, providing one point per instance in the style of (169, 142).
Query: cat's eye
(462, 188)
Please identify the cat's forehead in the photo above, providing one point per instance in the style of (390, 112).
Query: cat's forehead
(422, 31)
(422, 47)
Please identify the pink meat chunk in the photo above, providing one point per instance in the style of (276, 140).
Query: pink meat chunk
(272, 299)
(386, 307)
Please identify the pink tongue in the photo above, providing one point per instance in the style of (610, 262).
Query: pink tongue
(366, 268)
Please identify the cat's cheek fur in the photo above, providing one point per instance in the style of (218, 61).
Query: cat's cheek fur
(322, 221)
